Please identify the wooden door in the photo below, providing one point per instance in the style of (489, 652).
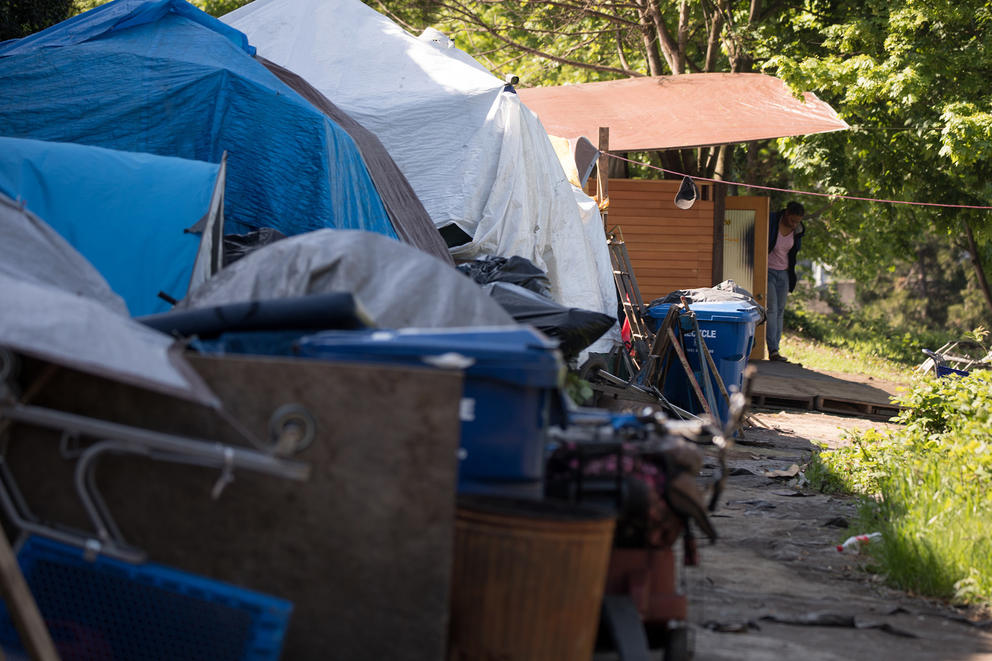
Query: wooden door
(745, 252)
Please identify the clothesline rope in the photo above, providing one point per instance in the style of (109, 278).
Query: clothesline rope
(799, 192)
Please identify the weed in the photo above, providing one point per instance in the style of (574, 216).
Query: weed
(924, 485)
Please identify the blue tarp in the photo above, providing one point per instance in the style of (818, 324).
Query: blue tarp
(165, 78)
(125, 212)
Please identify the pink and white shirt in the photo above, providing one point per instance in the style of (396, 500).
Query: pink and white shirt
(778, 258)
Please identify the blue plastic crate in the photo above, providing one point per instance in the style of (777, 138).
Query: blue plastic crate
(108, 609)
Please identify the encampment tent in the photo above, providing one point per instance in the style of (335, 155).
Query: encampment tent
(477, 158)
(148, 223)
(163, 77)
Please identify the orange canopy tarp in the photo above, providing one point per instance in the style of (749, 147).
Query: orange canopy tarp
(690, 110)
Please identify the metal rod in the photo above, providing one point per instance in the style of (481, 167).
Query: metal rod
(241, 457)
(72, 538)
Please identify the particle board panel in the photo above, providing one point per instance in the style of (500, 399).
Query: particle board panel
(363, 549)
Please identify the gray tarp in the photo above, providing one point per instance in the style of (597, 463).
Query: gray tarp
(399, 286)
(32, 251)
(57, 307)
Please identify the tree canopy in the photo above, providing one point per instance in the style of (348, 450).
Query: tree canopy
(912, 81)
(19, 18)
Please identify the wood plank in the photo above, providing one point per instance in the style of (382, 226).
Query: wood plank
(22, 607)
(652, 202)
(638, 235)
(689, 237)
(679, 253)
(617, 216)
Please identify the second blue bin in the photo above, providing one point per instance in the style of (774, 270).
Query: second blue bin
(728, 331)
(511, 394)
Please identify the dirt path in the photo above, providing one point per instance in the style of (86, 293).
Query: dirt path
(774, 586)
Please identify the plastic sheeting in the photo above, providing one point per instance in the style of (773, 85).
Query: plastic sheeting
(474, 154)
(127, 213)
(165, 78)
(515, 270)
(33, 252)
(726, 292)
(398, 285)
(573, 328)
(56, 307)
(409, 217)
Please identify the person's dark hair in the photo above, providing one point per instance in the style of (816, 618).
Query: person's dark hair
(795, 209)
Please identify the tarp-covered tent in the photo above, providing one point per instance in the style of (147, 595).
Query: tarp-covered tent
(56, 307)
(162, 77)
(397, 285)
(129, 214)
(410, 218)
(476, 156)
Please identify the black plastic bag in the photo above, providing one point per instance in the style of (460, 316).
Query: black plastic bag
(514, 270)
(237, 246)
(574, 328)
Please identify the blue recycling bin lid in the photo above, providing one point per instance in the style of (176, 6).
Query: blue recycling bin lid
(515, 354)
(735, 311)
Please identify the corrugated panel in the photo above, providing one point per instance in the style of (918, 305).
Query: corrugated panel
(738, 247)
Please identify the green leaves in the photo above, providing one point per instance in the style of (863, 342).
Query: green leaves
(966, 134)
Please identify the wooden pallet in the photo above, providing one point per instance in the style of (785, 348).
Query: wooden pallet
(783, 401)
(855, 407)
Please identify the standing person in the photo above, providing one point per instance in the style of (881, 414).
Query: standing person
(785, 237)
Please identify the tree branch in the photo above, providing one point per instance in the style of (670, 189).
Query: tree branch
(500, 35)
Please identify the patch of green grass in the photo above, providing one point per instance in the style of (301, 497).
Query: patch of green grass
(867, 340)
(818, 356)
(822, 477)
(925, 485)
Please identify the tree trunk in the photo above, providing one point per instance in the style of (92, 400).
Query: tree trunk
(713, 42)
(976, 261)
(683, 34)
(669, 46)
(649, 34)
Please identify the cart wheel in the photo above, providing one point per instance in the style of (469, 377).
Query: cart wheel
(291, 429)
(590, 372)
(590, 369)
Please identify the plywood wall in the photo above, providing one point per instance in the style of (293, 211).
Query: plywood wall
(669, 248)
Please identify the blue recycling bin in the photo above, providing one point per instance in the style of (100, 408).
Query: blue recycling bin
(728, 331)
(510, 397)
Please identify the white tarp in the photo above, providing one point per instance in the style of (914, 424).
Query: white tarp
(474, 154)
(55, 306)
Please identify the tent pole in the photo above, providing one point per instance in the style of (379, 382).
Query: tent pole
(603, 173)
